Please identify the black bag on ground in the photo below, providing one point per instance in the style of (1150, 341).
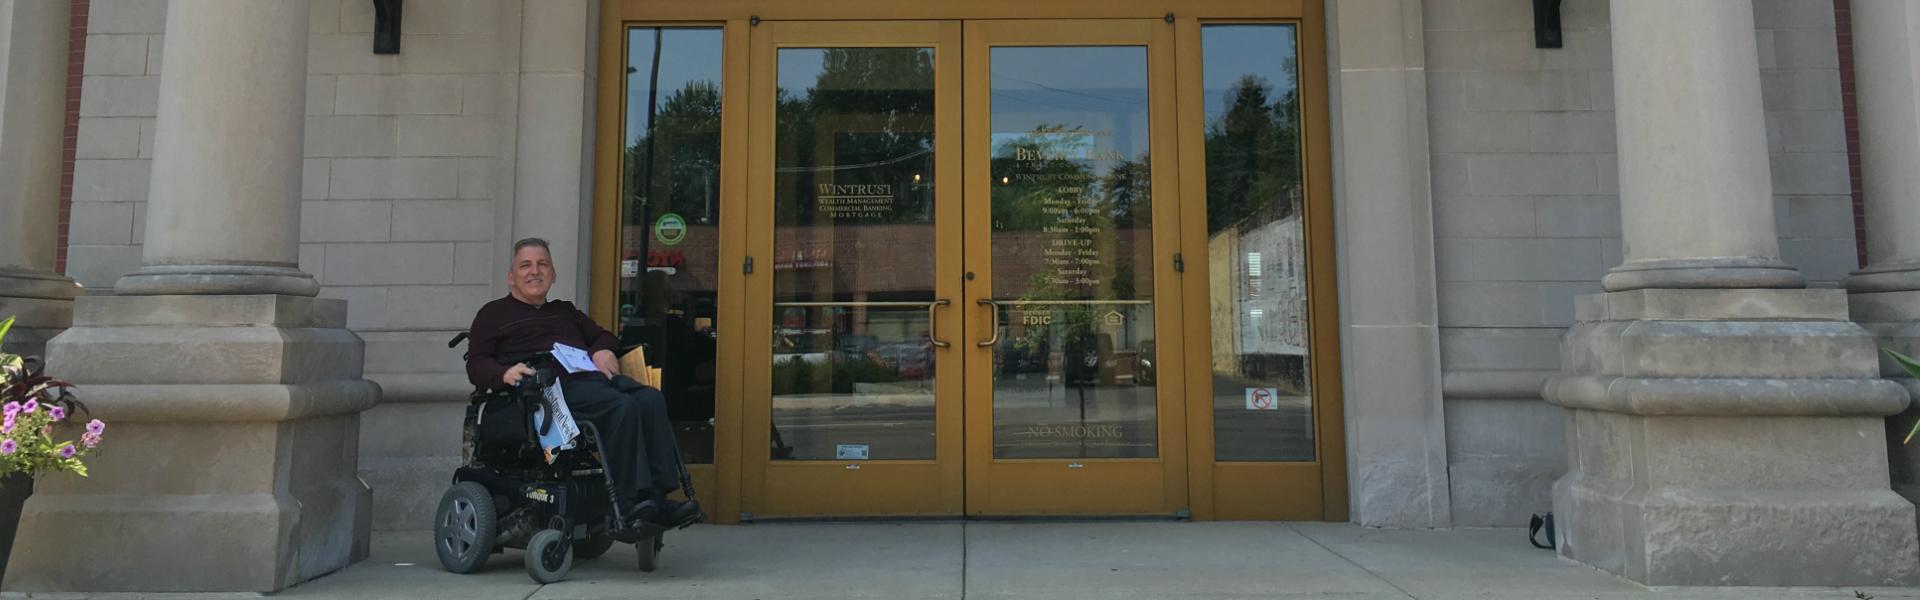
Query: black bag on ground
(1533, 531)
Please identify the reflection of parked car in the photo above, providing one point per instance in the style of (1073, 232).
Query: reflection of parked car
(1143, 367)
(1088, 359)
(853, 348)
(910, 359)
(1025, 356)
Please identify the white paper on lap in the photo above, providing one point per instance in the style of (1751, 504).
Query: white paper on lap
(574, 359)
(564, 429)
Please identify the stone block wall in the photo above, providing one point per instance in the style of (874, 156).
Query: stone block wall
(412, 167)
(407, 205)
(1527, 214)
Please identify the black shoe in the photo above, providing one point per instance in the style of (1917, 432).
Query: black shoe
(642, 515)
(672, 514)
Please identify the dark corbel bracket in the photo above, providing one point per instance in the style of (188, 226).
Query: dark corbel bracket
(1546, 24)
(386, 26)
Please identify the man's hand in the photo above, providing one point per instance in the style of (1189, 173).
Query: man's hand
(514, 373)
(605, 361)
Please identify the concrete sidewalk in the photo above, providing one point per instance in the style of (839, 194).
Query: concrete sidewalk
(999, 560)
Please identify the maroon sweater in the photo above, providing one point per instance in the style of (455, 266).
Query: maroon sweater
(509, 327)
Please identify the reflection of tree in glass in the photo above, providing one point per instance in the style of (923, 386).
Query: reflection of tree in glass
(1022, 187)
(686, 172)
(877, 106)
(1053, 168)
(1253, 153)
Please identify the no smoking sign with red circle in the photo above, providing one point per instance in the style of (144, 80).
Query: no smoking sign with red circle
(1263, 399)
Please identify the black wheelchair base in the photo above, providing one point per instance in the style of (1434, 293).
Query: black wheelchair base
(556, 511)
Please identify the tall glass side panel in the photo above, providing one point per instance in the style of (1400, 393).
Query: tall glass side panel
(1256, 244)
(670, 219)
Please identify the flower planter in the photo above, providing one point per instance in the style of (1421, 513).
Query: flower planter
(14, 490)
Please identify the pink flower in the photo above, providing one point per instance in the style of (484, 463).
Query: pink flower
(7, 447)
(13, 408)
(89, 439)
(7, 425)
(96, 427)
(67, 450)
(58, 414)
(30, 406)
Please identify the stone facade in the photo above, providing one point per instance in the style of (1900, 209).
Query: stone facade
(1476, 185)
(1527, 213)
(408, 194)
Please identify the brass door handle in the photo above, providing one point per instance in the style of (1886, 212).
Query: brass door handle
(933, 323)
(993, 320)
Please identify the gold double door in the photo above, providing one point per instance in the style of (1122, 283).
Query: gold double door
(969, 295)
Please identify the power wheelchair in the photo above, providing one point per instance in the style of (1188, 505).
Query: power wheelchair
(507, 495)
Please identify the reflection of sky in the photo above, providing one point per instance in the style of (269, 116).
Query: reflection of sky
(687, 54)
(1096, 88)
(1232, 51)
(799, 69)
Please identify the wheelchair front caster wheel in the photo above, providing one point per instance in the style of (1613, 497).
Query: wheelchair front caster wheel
(463, 532)
(650, 552)
(549, 556)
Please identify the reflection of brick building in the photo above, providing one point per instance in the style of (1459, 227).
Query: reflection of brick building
(874, 261)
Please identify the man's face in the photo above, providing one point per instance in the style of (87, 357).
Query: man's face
(532, 274)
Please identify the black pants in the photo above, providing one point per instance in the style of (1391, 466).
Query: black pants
(641, 453)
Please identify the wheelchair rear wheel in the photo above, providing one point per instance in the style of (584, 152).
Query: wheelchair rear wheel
(549, 557)
(465, 527)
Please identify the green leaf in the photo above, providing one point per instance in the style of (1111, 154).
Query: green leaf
(1906, 362)
(4, 326)
(1913, 370)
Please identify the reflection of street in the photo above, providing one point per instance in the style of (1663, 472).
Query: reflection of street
(1037, 417)
(893, 426)
(1033, 418)
(1282, 434)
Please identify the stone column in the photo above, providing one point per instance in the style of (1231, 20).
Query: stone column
(1886, 294)
(33, 108)
(232, 395)
(1725, 427)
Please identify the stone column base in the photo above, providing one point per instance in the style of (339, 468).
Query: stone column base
(1729, 438)
(41, 305)
(231, 450)
(1894, 317)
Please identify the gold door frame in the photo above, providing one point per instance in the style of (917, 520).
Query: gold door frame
(834, 488)
(1137, 486)
(1294, 491)
(1213, 490)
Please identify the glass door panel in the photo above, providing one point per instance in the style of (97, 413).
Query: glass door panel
(854, 261)
(1064, 122)
(1072, 246)
(853, 382)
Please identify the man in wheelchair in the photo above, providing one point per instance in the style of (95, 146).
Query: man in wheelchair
(641, 455)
